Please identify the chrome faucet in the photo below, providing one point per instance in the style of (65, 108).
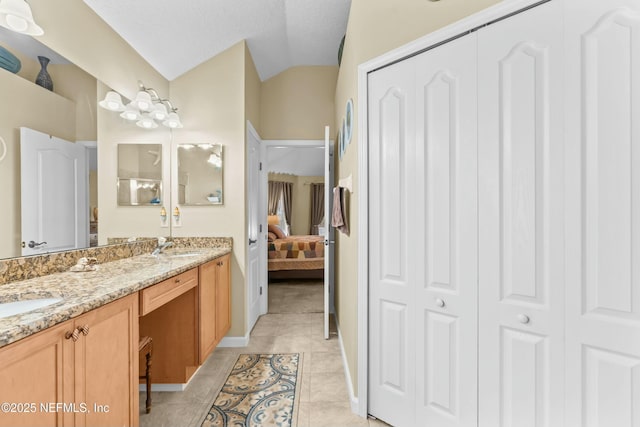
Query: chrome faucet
(162, 245)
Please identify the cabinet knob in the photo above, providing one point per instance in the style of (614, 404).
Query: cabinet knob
(72, 335)
(85, 330)
(177, 280)
(523, 318)
(440, 302)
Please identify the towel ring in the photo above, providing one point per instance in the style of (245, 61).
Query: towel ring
(4, 149)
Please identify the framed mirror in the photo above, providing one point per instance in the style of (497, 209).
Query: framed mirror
(200, 171)
(139, 174)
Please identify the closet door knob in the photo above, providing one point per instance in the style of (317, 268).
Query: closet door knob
(440, 302)
(523, 318)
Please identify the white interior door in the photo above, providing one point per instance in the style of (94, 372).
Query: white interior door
(521, 173)
(54, 181)
(329, 231)
(392, 255)
(256, 244)
(603, 206)
(445, 234)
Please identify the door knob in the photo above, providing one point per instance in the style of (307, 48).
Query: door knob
(523, 318)
(251, 241)
(440, 302)
(33, 244)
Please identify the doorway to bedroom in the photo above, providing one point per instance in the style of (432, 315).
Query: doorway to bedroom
(296, 204)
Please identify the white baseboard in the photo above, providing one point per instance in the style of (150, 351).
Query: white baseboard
(164, 387)
(168, 387)
(352, 398)
(235, 341)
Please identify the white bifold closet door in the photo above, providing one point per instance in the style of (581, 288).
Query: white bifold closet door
(423, 239)
(521, 173)
(603, 208)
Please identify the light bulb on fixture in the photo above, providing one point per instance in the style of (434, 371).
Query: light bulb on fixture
(112, 102)
(130, 112)
(159, 112)
(146, 122)
(143, 101)
(173, 121)
(16, 15)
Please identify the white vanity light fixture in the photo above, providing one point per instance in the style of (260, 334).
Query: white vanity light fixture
(147, 109)
(16, 15)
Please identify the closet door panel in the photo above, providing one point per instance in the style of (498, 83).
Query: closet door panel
(521, 283)
(392, 319)
(445, 234)
(603, 211)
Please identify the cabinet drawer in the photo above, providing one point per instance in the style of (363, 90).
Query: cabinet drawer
(163, 292)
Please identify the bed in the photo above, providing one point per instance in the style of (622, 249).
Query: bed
(295, 257)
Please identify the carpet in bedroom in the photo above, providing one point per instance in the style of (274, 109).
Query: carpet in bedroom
(299, 296)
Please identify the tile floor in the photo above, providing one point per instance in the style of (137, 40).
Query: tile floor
(294, 324)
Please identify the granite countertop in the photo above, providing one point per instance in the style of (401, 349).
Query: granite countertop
(85, 291)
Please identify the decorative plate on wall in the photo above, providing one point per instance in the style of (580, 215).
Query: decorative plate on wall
(340, 144)
(3, 147)
(348, 130)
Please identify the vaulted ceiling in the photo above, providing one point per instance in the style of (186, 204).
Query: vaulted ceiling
(176, 36)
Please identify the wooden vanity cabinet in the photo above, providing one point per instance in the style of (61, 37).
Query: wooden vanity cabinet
(35, 370)
(106, 365)
(215, 304)
(96, 376)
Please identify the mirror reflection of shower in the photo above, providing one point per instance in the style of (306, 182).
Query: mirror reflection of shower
(139, 174)
(200, 174)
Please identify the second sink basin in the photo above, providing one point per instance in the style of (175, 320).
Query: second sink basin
(18, 307)
(181, 253)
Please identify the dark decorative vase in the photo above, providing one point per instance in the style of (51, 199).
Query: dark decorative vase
(44, 79)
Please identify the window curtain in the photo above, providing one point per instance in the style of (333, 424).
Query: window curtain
(287, 192)
(274, 195)
(317, 207)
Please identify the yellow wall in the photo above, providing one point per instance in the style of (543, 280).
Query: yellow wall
(252, 92)
(375, 27)
(301, 199)
(298, 103)
(212, 104)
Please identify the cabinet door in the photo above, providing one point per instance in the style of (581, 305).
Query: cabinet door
(521, 217)
(603, 209)
(38, 371)
(223, 297)
(106, 361)
(207, 299)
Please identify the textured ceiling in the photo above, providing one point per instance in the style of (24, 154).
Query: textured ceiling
(176, 36)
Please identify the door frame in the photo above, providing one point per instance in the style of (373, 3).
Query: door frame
(471, 23)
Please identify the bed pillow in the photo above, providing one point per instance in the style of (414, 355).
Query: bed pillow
(272, 236)
(277, 231)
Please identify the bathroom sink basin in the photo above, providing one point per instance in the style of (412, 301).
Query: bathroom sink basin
(18, 307)
(180, 254)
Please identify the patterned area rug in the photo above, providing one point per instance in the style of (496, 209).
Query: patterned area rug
(260, 391)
